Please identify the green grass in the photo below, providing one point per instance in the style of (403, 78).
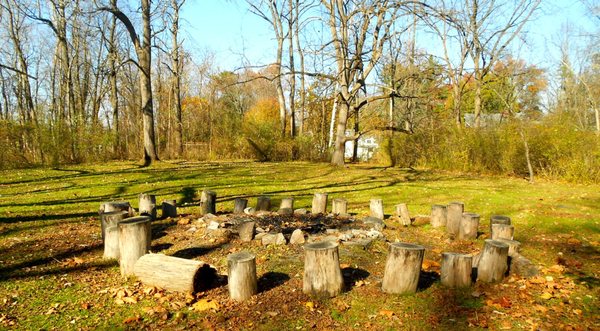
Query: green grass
(49, 217)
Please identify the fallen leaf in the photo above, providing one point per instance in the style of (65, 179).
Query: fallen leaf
(387, 313)
(272, 313)
(205, 304)
(430, 264)
(573, 241)
(310, 305)
(129, 300)
(132, 319)
(546, 296)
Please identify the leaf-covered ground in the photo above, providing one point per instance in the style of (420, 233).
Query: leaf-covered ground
(52, 275)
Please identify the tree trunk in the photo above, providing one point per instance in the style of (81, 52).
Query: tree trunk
(176, 78)
(144, 53)
(339, 146)
(438, 216)
(339, 207)
(110, 233)
(241, 280)
(147, 205)
(319, 203)
(456, 270)
(135, 237)
(469, 224)
(502, 231)
(513, 246)
(116, 206)
(454, 216)
(246, 231)
(287, 203)
(493, 261)
(402, 212)
(499, 219)
(263, 203)
(169, 208)
(208, 201)
(239, 205)
(402, 268)
(173, 273)
(322, 273)
(376, 208)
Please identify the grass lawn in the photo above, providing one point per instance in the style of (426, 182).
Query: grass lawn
(53, 276)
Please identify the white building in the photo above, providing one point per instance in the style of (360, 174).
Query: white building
(367, 146)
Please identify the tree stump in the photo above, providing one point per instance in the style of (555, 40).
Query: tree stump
(438, 216)
(287, 203)
(502, 231)
(376, 206)
(339, 207)
(493, 261)
(499, 219)
(134, 241)
(513, 246)
(169, 208)
(402, 212)
(402, 268)
(241, 281)
(322, 273)
(246, 231)
(208, 202)
(147, 206)
(239, 205)
(319, 203)
(108, 207)
(453, 217)
(456, 269)
(263, 203)
(173, 273)
(110, 233)
(469, 224)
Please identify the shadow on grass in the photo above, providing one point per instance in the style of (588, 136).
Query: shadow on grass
(427, 279)
(353, 275)
(44, 217)
(270, 280)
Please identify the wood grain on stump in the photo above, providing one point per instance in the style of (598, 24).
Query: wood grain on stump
(502, 231)
(453, 217)
(110, 232)
(263, 203)
(287, 203)
(499, 219)
(239, 205)
(438, 216)
(241, 281)
(108, 207)
(339, 206)
(402, 268)
(456, 269)
(208, 202)
(169, 208)
(322, 273)
(468, 226)
(376, 207)
(246, 231)
(135, 237)
(402, 212)
(493, 262)
(513, 246)
(147, 206)
(319, 203)
(173, 273)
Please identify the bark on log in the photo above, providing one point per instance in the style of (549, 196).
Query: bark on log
(402, 212)
(208, 202)
(456, 269)
(147, 206)
(514, 246)
(173, 273)
(134, 241)
(454, 215)
(322, 273)
(287, 203)
(339, 207)
(110, 233)
(246, 231)
(169, 208)
(263, 203)
(239, 205)
(108, 207)
(493, 262)
(502, 231)
(402, 268)
(469, 224)
(376, 206)
(319, 203)
(438, 216)
(242, 282)
(499, 219)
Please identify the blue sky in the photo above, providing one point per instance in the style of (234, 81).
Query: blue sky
(228, 30)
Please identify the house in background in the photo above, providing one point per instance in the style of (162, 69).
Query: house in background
(367, 146)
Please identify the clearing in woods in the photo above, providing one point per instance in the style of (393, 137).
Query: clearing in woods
(53, 276)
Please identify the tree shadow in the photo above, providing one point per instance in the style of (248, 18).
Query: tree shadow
(160, 247)
(188, 194)
(427, 279)
(270, 280)
(353, 275)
